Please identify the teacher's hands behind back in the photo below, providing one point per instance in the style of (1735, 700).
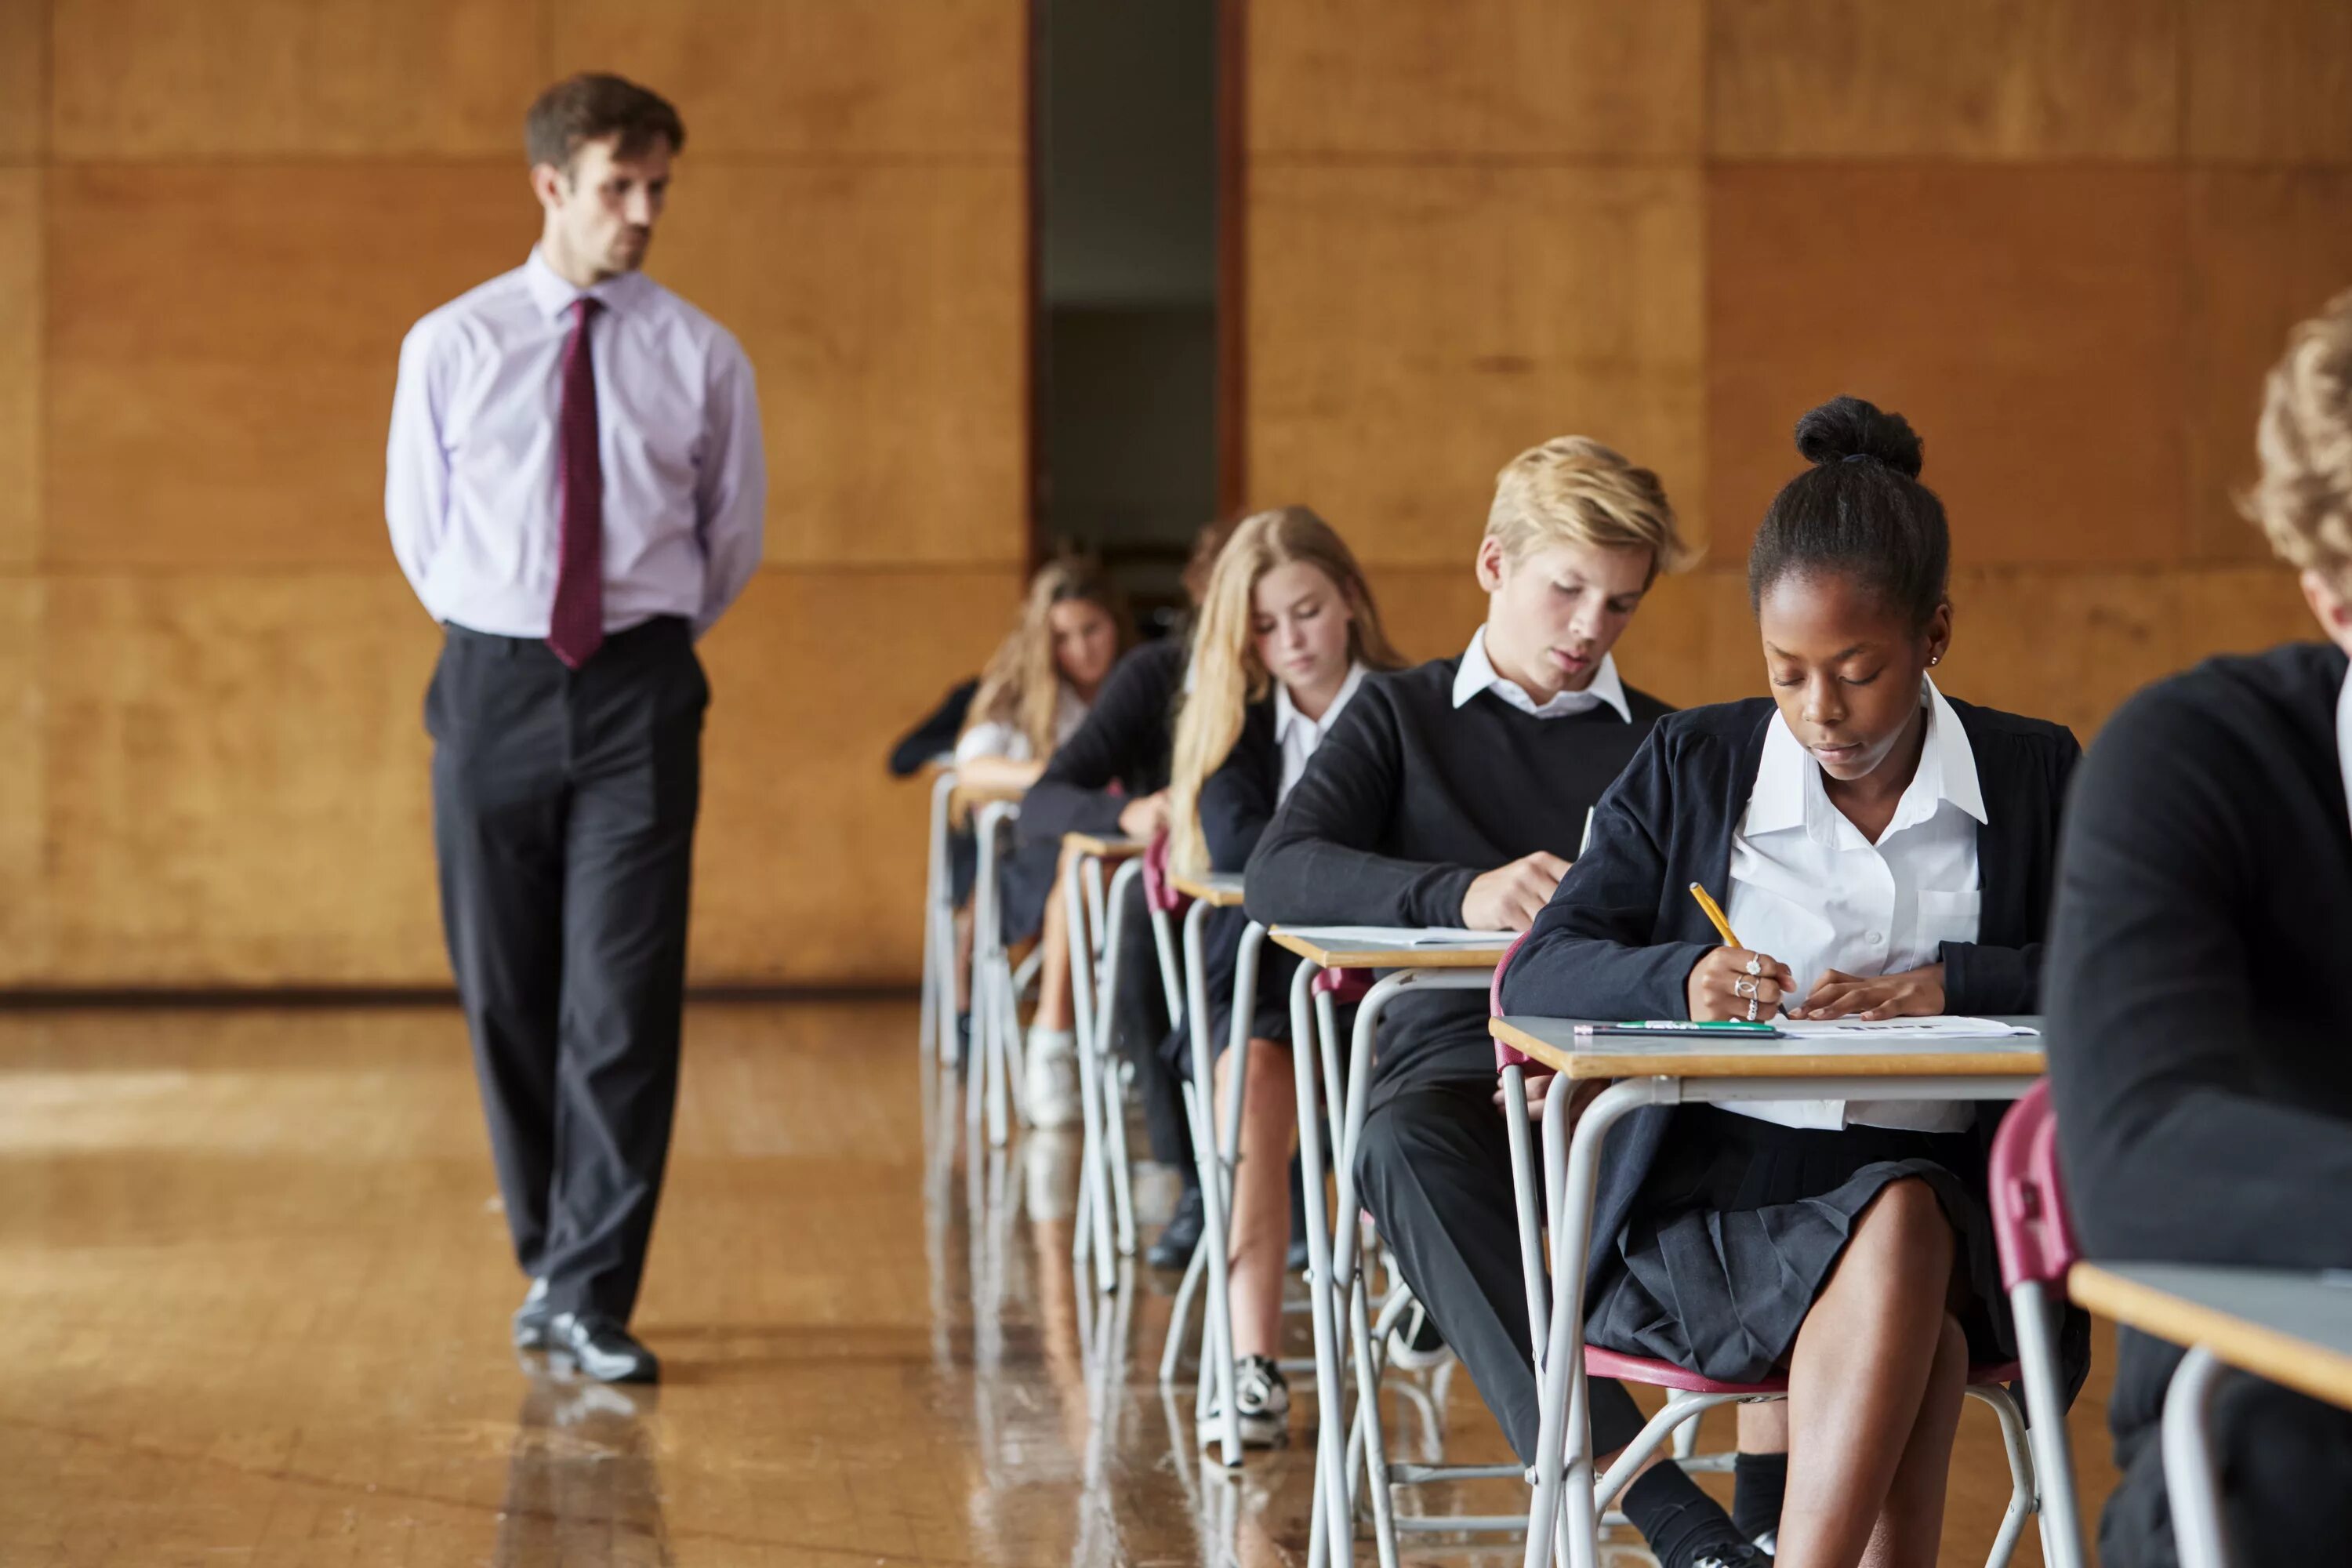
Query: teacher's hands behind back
(1510, 897)
(1733, 982)
(1912, 993)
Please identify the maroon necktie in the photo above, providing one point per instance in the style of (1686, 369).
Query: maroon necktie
(576, 629)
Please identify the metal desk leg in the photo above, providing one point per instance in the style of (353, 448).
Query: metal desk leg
(1091, 1232)
(1216, 1324)
(2054, 1456)
(1328, 1539)
(1115, 1151)
(2191, 1476)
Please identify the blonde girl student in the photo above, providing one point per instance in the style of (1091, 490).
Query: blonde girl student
(1036, 691)
(1288, 632)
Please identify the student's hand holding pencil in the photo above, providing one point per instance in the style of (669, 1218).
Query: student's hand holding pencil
(1733, 982)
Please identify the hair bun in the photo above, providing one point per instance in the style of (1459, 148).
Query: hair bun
(1847, 428)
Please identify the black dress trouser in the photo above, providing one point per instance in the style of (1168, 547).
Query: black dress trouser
(563, 809)
(1434, 1165)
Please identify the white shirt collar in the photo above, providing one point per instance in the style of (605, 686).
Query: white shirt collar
(1477, 673)
(1287, 715)
(1789, 791)
(553, 295)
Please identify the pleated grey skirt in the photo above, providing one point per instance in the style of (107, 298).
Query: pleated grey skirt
(1741, 1222)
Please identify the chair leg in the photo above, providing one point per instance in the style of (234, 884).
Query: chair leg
(2021, 1498)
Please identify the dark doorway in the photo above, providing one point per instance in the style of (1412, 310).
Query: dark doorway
(1127, 190)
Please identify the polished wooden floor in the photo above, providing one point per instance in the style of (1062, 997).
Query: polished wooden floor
(255, 1286)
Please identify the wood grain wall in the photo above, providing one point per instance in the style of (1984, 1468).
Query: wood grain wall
(216, 223)
(2064, 237)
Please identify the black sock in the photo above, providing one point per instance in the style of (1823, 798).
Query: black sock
(1678, 1520)
(1758, 1483)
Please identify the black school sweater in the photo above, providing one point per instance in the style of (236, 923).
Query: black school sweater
(2200, 977)
(1124, 742)
(1408, 801)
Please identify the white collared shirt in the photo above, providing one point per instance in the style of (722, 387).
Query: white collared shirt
(1809, 890)
(997, 738)
(1477, 673)
(2344, 740)
(1296, 736)
(471, 488)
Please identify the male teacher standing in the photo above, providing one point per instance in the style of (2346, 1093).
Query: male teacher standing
(575, 489)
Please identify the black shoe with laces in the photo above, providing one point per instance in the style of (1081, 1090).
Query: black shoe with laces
(602, 1349)
(1261, 1400)
(1174, 1248)
(531, 1319)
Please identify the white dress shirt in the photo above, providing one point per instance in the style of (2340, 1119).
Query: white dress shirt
(1476, 673)
(1809, 890)
(997, 738)
(1296, 736)
(470, 481)
(2344, 740)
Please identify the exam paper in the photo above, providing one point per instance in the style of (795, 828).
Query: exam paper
(1942, 1027)
(1405, 936)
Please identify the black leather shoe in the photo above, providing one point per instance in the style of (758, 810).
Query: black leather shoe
(531, 1320)
(1174, 1248)
(602, 1348)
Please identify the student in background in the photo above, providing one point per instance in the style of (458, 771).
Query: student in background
(1035, 694)
(1890, 853)
(1454, 795)
(1289, 631)
(2197, 991)
(1111, 777)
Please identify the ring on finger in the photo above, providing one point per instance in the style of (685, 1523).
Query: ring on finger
(1751, 1009)
(1743, 987)
(1755, 963)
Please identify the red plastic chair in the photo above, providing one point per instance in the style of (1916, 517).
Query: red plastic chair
(2036, 1243)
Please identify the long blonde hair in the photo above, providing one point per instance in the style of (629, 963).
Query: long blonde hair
(1022, 686)
(1227, 673)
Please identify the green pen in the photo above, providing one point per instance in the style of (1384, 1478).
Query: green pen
(1738, 1026)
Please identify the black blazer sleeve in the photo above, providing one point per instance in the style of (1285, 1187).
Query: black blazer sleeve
(1318, 861)
(2168, 1152)
(1599, 950)
(1980, 978)
(935, 736)
(1122, 739)
(1237, 800)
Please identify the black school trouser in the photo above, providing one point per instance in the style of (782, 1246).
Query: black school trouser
(563, 808)
(2285, 1467)
(1434, 1165)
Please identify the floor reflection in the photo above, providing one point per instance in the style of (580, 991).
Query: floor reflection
(583, 1486)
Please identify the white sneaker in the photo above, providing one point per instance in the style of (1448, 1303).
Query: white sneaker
(1049, 1091)
(1261, 1399)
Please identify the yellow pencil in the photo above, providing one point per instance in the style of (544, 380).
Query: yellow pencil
(1714, 912)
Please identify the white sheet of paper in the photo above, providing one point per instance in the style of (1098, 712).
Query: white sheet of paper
(1405, 936)
(1943, 1028)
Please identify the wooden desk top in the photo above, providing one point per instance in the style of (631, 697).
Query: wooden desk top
(1218, 890)
(971, 797)
(1554, 1043)
(2292, 1327)
(1352, 953)
(1105, 846)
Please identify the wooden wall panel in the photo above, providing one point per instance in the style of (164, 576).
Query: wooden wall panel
(236, 780)
(1965, 78)
(882, 307)
(23, 819)
(2269, 79)
(2266, 248)
(20, 365)
(23, 84)
(163, 80)
(223, 345)
(1412, 328)
(1532, 78)
(810, 860)
(913, 77)
(2027, 320)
